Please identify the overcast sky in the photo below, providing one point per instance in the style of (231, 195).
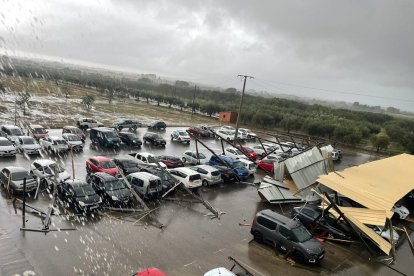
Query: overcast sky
(355, 50)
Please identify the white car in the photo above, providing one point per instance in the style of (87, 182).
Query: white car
(149, 159)
(12, 132)
(85, 123)
(228, 128)
(180, 136)
(249, 165)
(187, 176)
(234, 153)
(401, 210)
(269, 148)
(276, 157)
(43, 169)
(220, 271)
(385, 233)
(247, 133)
(192, 158)
(28, 145)
(209, 174)
(6, 147)
(226, 134)
(54, 143)
(74, 141)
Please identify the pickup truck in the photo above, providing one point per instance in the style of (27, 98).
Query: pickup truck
(148, 159)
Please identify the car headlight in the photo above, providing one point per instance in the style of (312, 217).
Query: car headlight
(81, 204)
(115, 198)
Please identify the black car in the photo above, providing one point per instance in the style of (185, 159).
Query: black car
(157, 125)
(126, 124)
(326, 225)
(13, 177)
(78, 195)
(113, 191)
(227, 174)
(167, 180)
(130, 139)
(154, 139)
(127, 164)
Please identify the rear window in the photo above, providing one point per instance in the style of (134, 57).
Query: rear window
(195, 177)
(266, 223)
(215, 173)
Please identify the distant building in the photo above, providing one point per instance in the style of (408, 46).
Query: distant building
(228, 117)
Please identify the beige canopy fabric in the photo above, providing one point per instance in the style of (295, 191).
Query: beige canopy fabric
(377, 185)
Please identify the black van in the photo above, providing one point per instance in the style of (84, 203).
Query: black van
(105, 137)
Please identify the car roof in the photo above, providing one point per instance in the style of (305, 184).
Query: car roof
(281, 219)
(36, 126)
(70, 127)
(55, 137)
(100, 158)
(13, 169)
(185, 170)
(69, 134)
(125, 132)
(103, 129)
(3, 138)
(243, 160)
(146, 154)
(145, 175)
(76, 182)
(44, 162)
(206, 167)
(105, 176)
(11, 126)
(126, 158)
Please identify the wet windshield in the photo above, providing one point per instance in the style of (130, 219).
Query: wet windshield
(131, 135)
(73, 138)
(182, 133)
(107, 164)
(238, 165)
(39, 131)
(16, 132)
(201, 156)
(114, 185)
(28, 141)
(17, 176)
(110, 135)
(50, 168)
(152, 159)
(5, 143)
(130, 164)
(84, 190)
(301, 234)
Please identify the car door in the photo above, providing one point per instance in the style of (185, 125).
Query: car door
(268, 229)
(285, 238)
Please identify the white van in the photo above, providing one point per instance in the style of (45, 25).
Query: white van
(249, 165)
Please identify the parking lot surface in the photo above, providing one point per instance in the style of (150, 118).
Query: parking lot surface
(189, 243)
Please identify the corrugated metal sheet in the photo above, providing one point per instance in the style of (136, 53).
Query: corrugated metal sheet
(365, 215)
(377, 185)
(276, 193)
(305, 169)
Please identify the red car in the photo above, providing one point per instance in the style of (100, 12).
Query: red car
(101, 164)
(152, 271)
(38, 131)
(171, 161)
(266, 164)
(198, 131)
(249, 152)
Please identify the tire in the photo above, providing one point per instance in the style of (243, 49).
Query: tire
(205, 183)
(184, 160)
(257, 236)
(299, 257)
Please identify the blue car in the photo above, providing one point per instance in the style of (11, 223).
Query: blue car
(237, 166)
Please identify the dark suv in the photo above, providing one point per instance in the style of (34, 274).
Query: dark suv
(157, 125)
(154, 139)
(126, 124)
(287, 235)
(113, 191)
(79, 195)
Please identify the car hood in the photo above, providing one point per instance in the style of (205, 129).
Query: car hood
(63, 176)
(313, 246)
(19, 183)
(31, 147)
(241, 171)
(132, 170)
(112, 171)
(75, 143)
(121, 193)
(114, 140)
(7, 148)
(89, 199)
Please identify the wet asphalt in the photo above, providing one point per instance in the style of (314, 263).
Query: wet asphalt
(189, 243)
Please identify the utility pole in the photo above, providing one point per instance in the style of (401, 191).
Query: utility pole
(241, 103)
(193, 108)
(15, 111)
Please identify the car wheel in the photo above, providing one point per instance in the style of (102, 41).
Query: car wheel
(205, 183)
(257, 236)
(184, 160)
(299, 257)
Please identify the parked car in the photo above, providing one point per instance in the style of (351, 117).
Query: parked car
(38, 131)
(249, 152)
(74, 141)
(225, 134)
(146, 184)
(105, 137)
(327, 225)
(227, 174)
(247, 133)
(287, 235)
(209, 130)
(111, 189)
(6, 147)
(130, 139)
(249, 165)
(180, 136)
(154, 139)
(148, 159)
(101, 164)
(157, 125)
(187, 176)
(385, 233)
(228, 128)
(152, 271)
(170, 161)
(268, 147)
(219, 271)
(167, 180)
(126, 124)
(79, 195)
(74, 130)
(12, 132)
(54, 144)
(238, 167)
(85, 123)
(198, 131)
(127, 164)
(28, 145)
(191, 157)
(266, 164)
(44, 170)
(336, 155)
(13, 177)
(234, 153)
(209, 174)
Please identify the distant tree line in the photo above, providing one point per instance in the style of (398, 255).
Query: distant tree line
(343, 125)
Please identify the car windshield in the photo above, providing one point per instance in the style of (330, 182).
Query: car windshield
(73, 138)
(182, 133)
(152, 159)
(131, 135)
(130, 164)
(248, 150)
(84, 190)
(107, 164)
(238, 164)
(114, 185)
(28, 141)
(157, 136)
(301, 234)
(16, 132)
(201, 156)
(110, 135)
(76, 131)
(50, 168)
(59, 141)
(5, 143)
(238, 152)
(39, 131)
(16, 176)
